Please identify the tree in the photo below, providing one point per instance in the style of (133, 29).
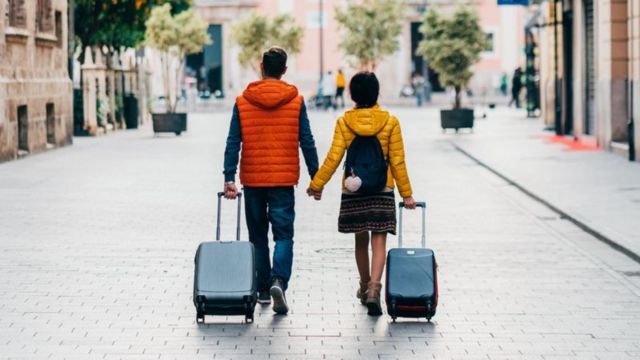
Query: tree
(371, 29)
(452, 45)
(257, 33)
(174, 37)
(115, 23)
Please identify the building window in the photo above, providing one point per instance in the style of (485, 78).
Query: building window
(44, 16)
(490, 42)
(59, 29)
(16, 15)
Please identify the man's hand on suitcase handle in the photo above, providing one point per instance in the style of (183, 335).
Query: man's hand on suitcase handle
(410, 203)
(230, 191)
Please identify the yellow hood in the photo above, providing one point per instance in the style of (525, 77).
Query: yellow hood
(366, 122)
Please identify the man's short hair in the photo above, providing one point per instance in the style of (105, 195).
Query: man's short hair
(364, 88)
(274, 62)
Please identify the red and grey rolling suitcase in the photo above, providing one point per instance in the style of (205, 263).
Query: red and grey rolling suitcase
(412, 281)
(225, 275)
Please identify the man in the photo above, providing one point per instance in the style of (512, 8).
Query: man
(270, 120)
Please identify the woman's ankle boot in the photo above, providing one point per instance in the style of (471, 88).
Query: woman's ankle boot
(373, 298)
(362, 292)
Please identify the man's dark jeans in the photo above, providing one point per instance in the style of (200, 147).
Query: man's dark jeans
(275, 205)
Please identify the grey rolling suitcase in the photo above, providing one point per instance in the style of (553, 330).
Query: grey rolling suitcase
(412, 281)
(225, 275)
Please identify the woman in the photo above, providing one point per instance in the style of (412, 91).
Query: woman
(371, 217)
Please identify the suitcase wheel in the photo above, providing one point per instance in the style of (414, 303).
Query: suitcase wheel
(394, 312)
(248, 317)
(200, 318)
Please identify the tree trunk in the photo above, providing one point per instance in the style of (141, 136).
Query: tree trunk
(458, 102)
(166, 82)
(178, 82)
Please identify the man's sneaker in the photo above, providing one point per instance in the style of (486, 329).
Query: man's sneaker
(279, 301)
(264, 297)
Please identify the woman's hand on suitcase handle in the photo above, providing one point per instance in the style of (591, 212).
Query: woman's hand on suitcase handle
(410, 203)
(230, 191)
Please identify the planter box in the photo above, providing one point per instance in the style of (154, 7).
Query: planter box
(169, 122)
(456, 119)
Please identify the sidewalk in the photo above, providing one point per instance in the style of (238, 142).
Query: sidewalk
(597, 188)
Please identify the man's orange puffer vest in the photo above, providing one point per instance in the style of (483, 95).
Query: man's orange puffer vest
(269, 121)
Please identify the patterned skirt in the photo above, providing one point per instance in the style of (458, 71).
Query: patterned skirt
(367, 213)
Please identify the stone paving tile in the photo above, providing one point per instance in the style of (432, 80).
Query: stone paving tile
(97, 244)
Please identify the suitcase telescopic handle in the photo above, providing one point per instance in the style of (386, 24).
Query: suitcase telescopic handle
(422, 205)
(239, 198)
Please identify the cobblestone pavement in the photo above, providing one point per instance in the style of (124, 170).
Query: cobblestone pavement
(97, 243)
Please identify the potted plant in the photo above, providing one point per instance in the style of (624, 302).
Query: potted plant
(174, 37)
(453, 45)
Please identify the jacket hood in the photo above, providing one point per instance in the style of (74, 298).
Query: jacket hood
(366, 122)
(270, 94)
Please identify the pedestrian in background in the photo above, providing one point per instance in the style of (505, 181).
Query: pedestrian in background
(340, 83)
(269, 122)
(516, 87)
(369, 216)
(418, 82)
(328, 90)
(504, 84)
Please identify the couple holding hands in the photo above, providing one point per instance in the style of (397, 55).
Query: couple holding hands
(268, 124)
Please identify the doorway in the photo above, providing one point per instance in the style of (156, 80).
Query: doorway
(207, 66)
(23, 128)
(417, 61)
(567, 67)
(51, 124)
(590, 69)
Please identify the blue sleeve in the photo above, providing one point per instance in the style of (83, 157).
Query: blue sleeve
(307, 144)
(231, 152)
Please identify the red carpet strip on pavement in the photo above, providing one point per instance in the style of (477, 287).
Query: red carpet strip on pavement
(571, 144)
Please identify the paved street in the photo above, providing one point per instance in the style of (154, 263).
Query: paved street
(97, 243)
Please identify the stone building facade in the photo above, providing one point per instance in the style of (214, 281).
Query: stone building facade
(597, 56)
(35, 88)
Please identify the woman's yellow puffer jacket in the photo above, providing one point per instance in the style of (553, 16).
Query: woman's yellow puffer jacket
(367, 122)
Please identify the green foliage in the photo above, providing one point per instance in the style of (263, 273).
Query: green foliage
(371, 29)
(192, 33)
(116, 23)
(174, 36)
(452, 45)
(257, 33)
(162, 30)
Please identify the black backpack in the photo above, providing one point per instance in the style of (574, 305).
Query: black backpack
(366, 160)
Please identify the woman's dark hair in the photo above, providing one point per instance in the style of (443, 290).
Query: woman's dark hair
(274, 61)
(364, 88)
